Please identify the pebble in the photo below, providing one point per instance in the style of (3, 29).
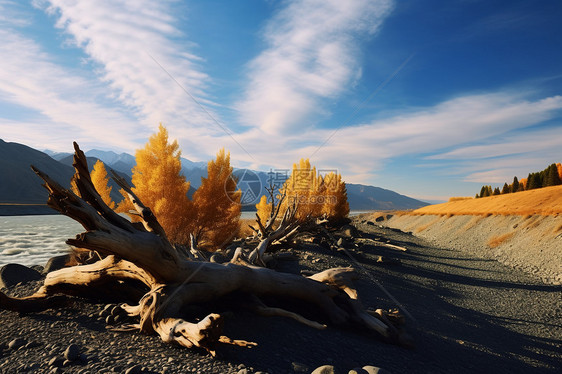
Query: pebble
(374, 370)
(299, 367)
(16, 343)
(134, 370)
(72, 352)
(324, 369)
(56, 361)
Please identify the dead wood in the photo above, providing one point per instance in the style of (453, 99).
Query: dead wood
(172, 278)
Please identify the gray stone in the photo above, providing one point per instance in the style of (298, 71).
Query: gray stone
(348, 231)
(134, 370)
(357, 371)
(218, 258)
(32, 344)
(56, 361)
(375, 370)
(324, 369)
(16, 343)
(72, 352)
(300, 367)
(12, 274)
(56, 263)
(37, 268)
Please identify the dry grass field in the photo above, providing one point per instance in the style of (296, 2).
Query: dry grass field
(543, 201)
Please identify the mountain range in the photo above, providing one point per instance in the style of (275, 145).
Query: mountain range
(21, 191)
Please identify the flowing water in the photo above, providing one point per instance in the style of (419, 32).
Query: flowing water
(33, 240)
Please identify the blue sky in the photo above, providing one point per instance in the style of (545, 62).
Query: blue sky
(428, 98)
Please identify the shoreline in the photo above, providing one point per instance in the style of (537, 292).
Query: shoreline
(531, 243)
(471, 315)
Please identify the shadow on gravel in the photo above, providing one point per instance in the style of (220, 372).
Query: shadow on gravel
(474, 317)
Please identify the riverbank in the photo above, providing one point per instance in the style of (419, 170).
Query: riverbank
(471, 314)
(531, 243)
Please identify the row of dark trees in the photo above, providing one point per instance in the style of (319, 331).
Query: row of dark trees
(551, 176)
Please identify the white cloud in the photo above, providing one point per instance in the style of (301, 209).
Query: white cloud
(122, 39)
(62, 103)
(469, 121)
(312, 54)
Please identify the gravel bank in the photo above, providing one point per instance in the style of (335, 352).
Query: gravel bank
(530, 243)
(471, 315)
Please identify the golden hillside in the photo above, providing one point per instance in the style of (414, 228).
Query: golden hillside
(544, 201)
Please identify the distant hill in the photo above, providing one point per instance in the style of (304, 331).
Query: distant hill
(544, 201)
(19, 182)
(115, 195)
(21, 186)
(361, 197)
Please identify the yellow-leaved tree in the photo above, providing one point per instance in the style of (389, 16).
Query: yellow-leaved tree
(263, 209)
(315, 195)
(159, 185)
(335, 205)
(302, 187)
(217, 205)
(100, 181)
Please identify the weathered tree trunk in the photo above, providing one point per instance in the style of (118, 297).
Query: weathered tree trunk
(142, 253)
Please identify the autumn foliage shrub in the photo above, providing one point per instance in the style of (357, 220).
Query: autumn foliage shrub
(213, 215)
(314, 195)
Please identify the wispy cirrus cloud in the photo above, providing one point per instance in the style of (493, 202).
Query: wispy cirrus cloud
(138, 50)
(312, 54)
(466, 124)
(59, 105)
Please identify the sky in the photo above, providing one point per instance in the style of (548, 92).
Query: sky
(431, 98)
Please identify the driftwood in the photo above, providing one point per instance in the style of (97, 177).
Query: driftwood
(144, 261)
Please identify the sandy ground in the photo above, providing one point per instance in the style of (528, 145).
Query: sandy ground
(530, 243)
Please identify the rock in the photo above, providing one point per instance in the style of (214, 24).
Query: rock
(12, 274)
(299, 367)
(37, 268)
(325, 369)
(55, 370)
(379, 219)
(218, 258)
(56, 361)
(32, 344)
(72, 352)
(389, 216)
(370, 223)
(348, 231)
(56, 263)
(242, 371)
(357, 371)
(374, 370)
(134, 370)
(106, 310)
(16, 343)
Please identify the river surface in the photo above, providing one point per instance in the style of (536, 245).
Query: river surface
(33, 240)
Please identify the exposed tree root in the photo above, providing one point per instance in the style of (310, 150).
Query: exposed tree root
(143, 261)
